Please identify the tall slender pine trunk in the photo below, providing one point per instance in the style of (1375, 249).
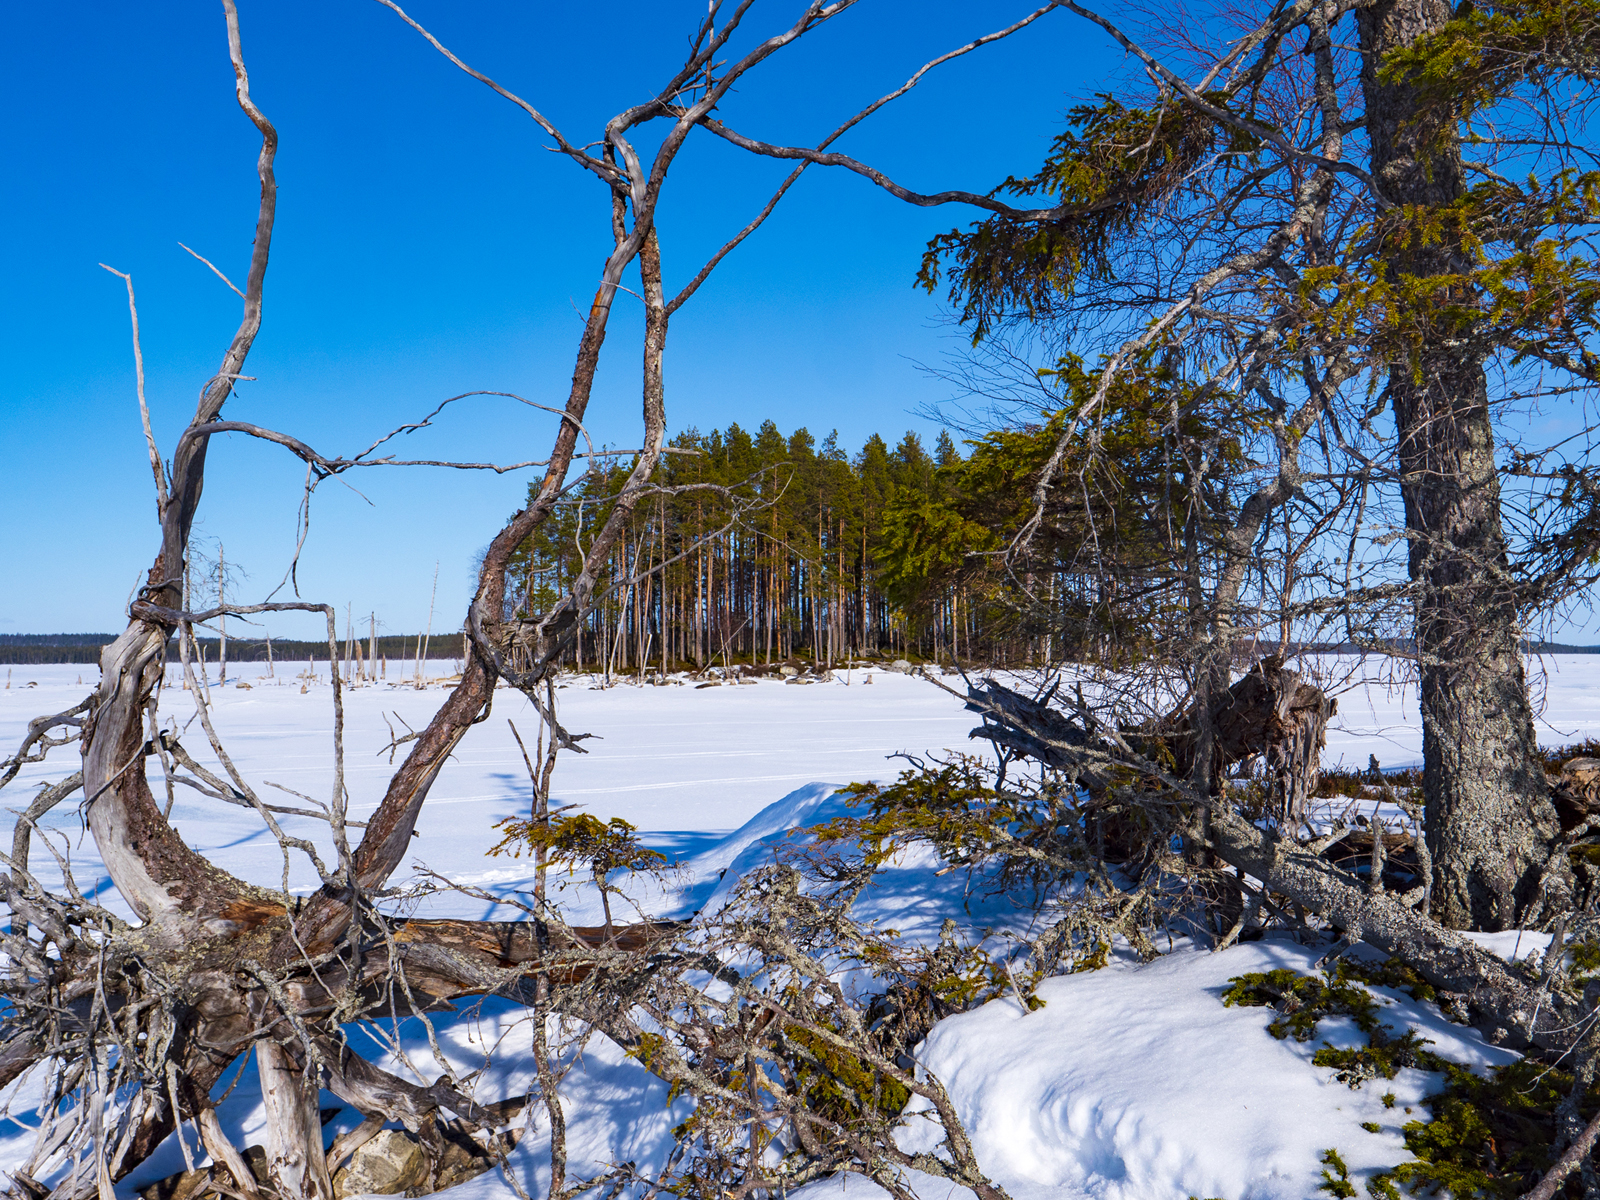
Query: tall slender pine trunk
(1489, 816)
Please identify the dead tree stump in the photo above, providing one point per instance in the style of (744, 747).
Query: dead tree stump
(1270, 712)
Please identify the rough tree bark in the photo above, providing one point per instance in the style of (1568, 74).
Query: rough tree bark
(1491, 824)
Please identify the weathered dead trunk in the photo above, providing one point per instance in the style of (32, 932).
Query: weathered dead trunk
(179, 894)
(1270, 713)
(1273, 713)
(296, 1165)
(175, 891)
(1489, 817)
(202, 926)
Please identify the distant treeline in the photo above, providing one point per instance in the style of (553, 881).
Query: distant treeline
(770, 547)
(55, 639)
(45, 648)
(52, 647)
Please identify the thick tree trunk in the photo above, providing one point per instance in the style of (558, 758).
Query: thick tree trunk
(176, 892)
(1489, 815)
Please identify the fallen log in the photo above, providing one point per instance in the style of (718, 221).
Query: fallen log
(1270, 713)
(1508, 1006)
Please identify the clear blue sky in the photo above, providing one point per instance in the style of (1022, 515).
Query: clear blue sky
(427, 243)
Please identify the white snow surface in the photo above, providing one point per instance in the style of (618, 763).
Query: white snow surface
(1135, 1082)
(1132, 1082)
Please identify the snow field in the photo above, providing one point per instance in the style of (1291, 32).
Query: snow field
(685, 765)
(1132, 1082)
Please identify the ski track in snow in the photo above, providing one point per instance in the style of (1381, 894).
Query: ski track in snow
(1132, 1083)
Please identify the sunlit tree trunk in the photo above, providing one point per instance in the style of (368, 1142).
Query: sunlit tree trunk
(1489, 816)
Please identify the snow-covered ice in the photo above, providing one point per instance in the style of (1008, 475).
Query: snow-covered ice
(688, 766)
(1132, 1082)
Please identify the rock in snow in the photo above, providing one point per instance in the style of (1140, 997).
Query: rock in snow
(387, 1165)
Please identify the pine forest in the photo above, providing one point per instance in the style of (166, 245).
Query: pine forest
(796, 549)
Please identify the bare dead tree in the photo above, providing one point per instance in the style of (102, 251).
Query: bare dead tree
(135, 1024)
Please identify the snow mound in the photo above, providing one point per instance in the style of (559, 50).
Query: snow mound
(1136, 1083)
(717, 870)
(1132, 1083)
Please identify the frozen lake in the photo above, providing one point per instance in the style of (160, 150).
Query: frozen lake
(1133, 1083)
(686, 765)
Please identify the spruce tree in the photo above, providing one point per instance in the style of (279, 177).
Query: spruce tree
(1338, 227)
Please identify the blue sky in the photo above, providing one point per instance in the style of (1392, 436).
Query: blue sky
(427, 243)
